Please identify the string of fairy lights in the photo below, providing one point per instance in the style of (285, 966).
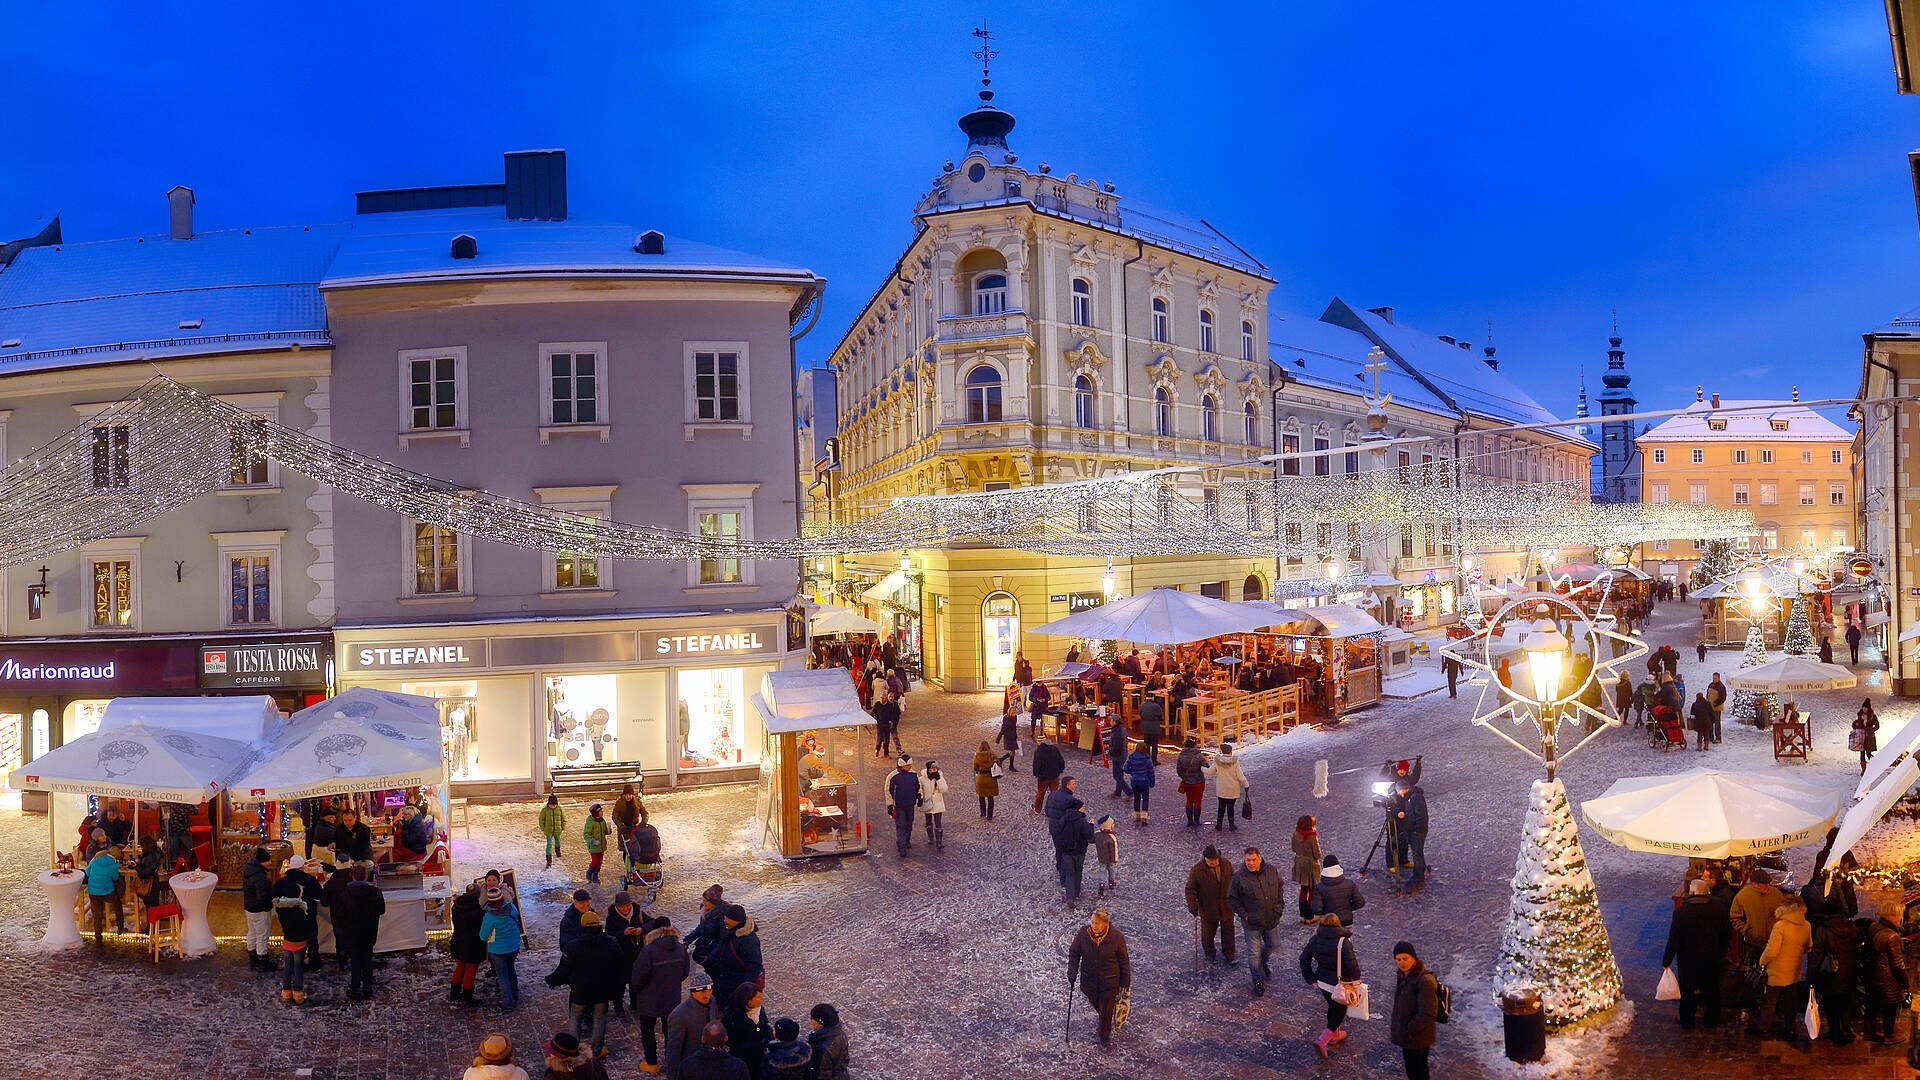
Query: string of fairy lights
(168, 444)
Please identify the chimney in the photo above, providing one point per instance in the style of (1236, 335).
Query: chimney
(1384, 312)
(180, 213)
(1698, 392)
(1448, 339)
(537, 185)
(1716, 401)
(651, 242)
(1796, 392)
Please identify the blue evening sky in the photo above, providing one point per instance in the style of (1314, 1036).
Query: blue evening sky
(1732, 176)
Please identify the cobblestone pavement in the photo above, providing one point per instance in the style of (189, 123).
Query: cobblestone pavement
(952, 963)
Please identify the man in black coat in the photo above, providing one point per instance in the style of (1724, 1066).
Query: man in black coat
(1409, 810)
(1117, 749)
(1452, 667)
(1207, 901)
(712, 928)
(595, 972)
(685, 1023)
(903, 794)
(736, 958)
(1048, 764)
(1697, 951)
(886, 719)
(356, 926)
(1258, 896)
(1717, 697)
(712, 1061)
(1700, 719)
(625, 925)
(570, 919)
(1098, 959)
(1071, 833)
(256, 901)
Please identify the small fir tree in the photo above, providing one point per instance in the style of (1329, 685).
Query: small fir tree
(1555, 941)
(1715, 562)
(1747, 705)
(1799, 629)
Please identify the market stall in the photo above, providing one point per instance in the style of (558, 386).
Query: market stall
(813, 784)
(1338, 648)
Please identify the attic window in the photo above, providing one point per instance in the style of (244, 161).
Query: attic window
(1778, 424)
(189, 324)
(465, 247)
(1717, 423)
(651, 242)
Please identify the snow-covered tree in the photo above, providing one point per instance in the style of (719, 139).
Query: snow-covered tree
(1715, 562)
(1745, 706)
(1556, 942)
(1799, 629)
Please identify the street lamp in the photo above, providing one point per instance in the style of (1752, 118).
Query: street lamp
(906, 563)
(1546, 650)
(1107, 581)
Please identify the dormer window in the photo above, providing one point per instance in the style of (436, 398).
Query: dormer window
(189, 324)
(1716, 423)
(465, 247)
(990, 293)
(1778, 423)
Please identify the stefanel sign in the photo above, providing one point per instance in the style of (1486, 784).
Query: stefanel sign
(280, 663)
(418, 655)
(708, 642)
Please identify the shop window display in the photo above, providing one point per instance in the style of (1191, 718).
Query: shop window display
(581, 725)
(483, 726)
(716, 729)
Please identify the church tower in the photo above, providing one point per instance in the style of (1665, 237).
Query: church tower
(1619, 458)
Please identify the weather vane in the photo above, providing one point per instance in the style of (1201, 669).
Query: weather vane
(985, 53)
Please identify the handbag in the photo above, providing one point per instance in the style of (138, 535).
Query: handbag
(1349, 992)
(994, 771)
(1757, 979)
(1246, 804)
(1669, 988)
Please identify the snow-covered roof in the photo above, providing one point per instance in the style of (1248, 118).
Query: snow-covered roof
(218, 292)
(1321, 354)
(417, 246)
(1171, 229)
(1696, 424)
(1455, 374)
(1906, 324)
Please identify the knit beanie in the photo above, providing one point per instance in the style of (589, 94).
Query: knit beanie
(826, 1014)
(1329, 860)
(786, 1029)
(712, 895)
(1406, 948)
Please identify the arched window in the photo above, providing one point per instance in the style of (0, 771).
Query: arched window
(1251, 422)
(1083, 412)
(1206, 331)
(1210, 418)
(1162, 412)
(1082, 302)
(1246, 342)
(1159, 319)
(1252, 588)
(990, 293)
(983, 395)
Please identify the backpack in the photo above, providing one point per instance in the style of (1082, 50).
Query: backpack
(1442, 998)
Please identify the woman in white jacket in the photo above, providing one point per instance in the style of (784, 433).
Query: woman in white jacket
(1229, 784)
(933, 803)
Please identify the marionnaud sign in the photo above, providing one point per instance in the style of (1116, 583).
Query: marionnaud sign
(700, 643)
(419, 655)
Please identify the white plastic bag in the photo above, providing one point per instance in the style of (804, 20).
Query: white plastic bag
(1812, 1017)
(1669, 987)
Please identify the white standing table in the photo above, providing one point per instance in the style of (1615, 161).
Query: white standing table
(63, 889)
(193, 889)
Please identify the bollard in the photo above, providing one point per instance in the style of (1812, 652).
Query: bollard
(1524, 1022)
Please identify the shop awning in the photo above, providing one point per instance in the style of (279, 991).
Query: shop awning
(1875, 618)
(134, 761)
(884, 589)
(1341, 621)
(803, 700)
(839, 620)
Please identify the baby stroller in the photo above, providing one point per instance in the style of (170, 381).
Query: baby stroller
(644, 869)
(1664, 729)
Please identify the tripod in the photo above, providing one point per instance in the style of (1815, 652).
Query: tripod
(1388, 835)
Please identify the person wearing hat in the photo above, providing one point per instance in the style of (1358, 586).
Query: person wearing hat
(500, 929)
(568, 1060)
(595, 974)
(103, 886)
(903, 794)
(553, 822)
(570, 918)
(595, 834)
(256, 903)
(495, 1061)
(789, 1057)
(1336, 895)
(1207, 901)
(1098, 960)
(654, 979)
(1752, 914)
(736, 959)
(685, 1023)
(712, 926)
(712, 1061)
(1416, 1010)
(933, 796)
(413, 839)
(300, 872)
(1409, 810)
(625, 924)
(469, 952)
(296, 898)
(1306, 863)
(829, 1042)
(1106, 854)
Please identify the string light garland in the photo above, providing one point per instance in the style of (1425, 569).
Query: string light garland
(168, 444)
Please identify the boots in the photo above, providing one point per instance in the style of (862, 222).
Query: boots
(453, 994)
(1320, 1043)
(286, 996)
(299, 997)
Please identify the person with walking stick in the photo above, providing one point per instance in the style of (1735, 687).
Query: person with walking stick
(1098, 961)
(1207, 903)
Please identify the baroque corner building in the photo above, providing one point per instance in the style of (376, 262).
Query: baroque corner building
(1040, 328)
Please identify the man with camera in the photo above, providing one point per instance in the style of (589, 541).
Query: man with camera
(1409, 811)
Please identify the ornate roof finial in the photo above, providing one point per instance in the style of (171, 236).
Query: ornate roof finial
(985, 54)
(1615, 339)
(987, 126)
(1489, 349)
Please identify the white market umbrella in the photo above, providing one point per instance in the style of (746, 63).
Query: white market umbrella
(1865, 814)
(134, 761)
(1896, 749)
(1711, 815)
(1791, 674)
(1160, 617)
(839, 620)
(359, 740)
(1280, 613)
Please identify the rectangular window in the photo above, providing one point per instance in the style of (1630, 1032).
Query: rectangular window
(112, 593)
(721, 525)
(1660, 545)
(1739, 493)
(1840, 536)
(110, 462)
(1657, 492)
(1806, 457)
(573, 388)
(1766, 457)
(1699, 456)
(1353, 463)
(1739, 457)
(1323, 539)
(436, 560)
(1835, 457)
(1322, 463)
(716, 386)
(1836, 494)
(1406, 467)
(1659, 457)
(433, 392)
(1806, 493)
(1426, 536)
(1406, 541)
(1809, 539)
(1253, 511)
(1085, 517)
(1769, 493)
(1082, 307)
(1770, 539)
(1290, 444)
(1293, 543)
(1697, 492)
(1353, 543)
(249, 589)
(1210, 505)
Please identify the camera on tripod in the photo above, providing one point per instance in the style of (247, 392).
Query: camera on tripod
(1391, 774)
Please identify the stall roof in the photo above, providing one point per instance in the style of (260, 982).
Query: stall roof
(884, 589)
(358, 740)
(800, 700)
(1343, 620)
(839, 620)
(132, 760)
(1161, 616)
(254, 719)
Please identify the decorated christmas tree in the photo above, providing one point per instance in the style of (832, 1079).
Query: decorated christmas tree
(1106, 650)
(1799, 629)
(1716, 562)
(1746, 704)
(1556, 942)
(1471, 616)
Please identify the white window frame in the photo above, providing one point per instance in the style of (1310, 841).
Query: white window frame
(1770, 539)
(1766, 457)
(594, 501)
(1806, 457)
(116, 549)
(1162, 413)
(1836, 457)
(1742, 493)
(999, 401)
(744, 384)
(1210, 418)
(1246, 341)
(1739, 457)
(720, 499)
(1699, 455)
(601, 425)
(1836, 493)
(1657, 493)
(231, 545)
(1809, 538)
(266, 406)
(1162, 321)
(460, 429)
(1696, 493)
(1209, 339)
(990, 299)
(409, 591)
(1809, 493)
(1086, 404)
(1081, 304)
(1839, 534)
(1769, 493)
(1659, 456)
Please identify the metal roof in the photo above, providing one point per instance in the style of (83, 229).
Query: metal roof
(1322, 354)
(1803, 424)
(1456, 374)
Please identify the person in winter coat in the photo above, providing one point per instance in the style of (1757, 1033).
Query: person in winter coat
(655, 979)
(748, 1031)
(500, 929)
(736, 959)
(1335, 895)
(352, 840)
(568, 1060)
(1785, 960)
(684, 1025)
(789, 1057)
(1826, 649)
(1048, 764)
(1326, 962)
(903, 794)
(1071, 833)
(1409, 810)
(1256, 895)
(1697, 941)
(1865, 733)
(1106, 852)
(570, 918)
(1853, 641)
(713, 1061)
(886, 721)
(1700, 719)
(1306, 863)
(104, 889)
(712, 927)
(1140, 777)
(1098, 959)
(628, 811)
(1039, 700)
(1153, 723)
(469, 952)
(1624, 697)
(1207, 886)
(299, 926)
(1229, 783)
(595, 974)
(933, 802)
(1116, 749)
(1883, 955)
(1010, 738)
(1416, 1010)
(1752, 914)
(356, 927)
(495, 1061)
(595, 834)
(829, 1042)
(627, 925)
(986, 786)
(1717, 697)
(1190, 767)
(1833, 969)
(256, 901)
(553, 822)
